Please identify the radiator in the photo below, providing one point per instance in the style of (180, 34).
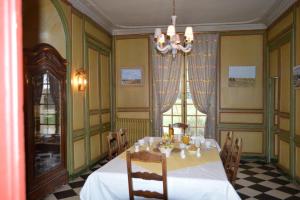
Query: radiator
(137, 128)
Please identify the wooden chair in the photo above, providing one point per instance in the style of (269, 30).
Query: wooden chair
(234, 162)
(113, 145)
(145, 156)
(226, 151)
(123, 139)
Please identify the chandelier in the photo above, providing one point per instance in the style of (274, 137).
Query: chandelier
(173, 40)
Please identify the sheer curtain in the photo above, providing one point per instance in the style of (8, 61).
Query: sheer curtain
(202, 64)
(166, 80)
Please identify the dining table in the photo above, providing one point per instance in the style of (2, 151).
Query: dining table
(191, 177)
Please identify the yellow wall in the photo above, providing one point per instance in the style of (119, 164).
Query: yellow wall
(281, 62)
(280, 26)
(42, 22)
(234, 53)
(43, 25)
(285, 78)
(298, 161)
(253, 141)
(132, 53)
(242, 107)
(283, 157)
(298, 63)
(133, 102)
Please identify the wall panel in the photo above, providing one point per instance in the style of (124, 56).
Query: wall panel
(297, 120)
(246, 118)
(105, 82)
(94, 120)
(133, 115)
(77, 41)
(132, 53)
(284, 124)
(100, 35)
(280, 26)
(105, 118)
(252, 140)
(78, 110)
(79, 154)
(285, 66)
(297, 161)
(298, 35)
(95, 146)
(104, 145)
(274, 54)
(234, 53)
(43, 24)
(93, 79)
(284, 152)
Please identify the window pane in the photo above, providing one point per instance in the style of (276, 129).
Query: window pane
(47, 129)
(200, 131)
(199, 113)
(191, 120)
(51, 119)
(201, 121)
(178, 101)
(192, 131)
(167, 120)
(191, 110)
(176, 119)
(177, 110)
(169, 112)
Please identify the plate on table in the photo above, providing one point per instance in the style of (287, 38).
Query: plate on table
(192, 149)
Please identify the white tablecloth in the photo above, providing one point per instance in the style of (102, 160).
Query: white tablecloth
(207, 181)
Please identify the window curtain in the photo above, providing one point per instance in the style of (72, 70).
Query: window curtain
(166, 80)
(202, 64)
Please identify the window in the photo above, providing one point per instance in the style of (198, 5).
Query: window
(47, 114)
(184, 110)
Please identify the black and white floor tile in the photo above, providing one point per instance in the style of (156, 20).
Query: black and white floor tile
(256, 180)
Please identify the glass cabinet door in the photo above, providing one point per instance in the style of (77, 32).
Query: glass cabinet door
(47, 123)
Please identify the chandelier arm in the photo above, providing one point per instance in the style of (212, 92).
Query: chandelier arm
(164, 49)
(185, 49)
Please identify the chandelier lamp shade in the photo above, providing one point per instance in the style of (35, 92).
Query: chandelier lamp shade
(172, 42)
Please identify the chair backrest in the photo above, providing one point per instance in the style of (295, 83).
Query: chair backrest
(145, 156)
(181, 126)
(226, 150)
(113, 144)
(235, 158)
(123, 139)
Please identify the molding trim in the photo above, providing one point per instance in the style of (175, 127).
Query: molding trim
(90, 11)
(277, 11)
(196, 28)
(273, 13)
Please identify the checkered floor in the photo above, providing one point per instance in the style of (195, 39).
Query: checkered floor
(256, 180)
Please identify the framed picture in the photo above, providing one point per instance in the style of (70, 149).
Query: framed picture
(131, 76)
(296, 74)
(242, 76)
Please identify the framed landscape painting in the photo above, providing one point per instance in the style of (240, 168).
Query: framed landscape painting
(131, 76)
(242, 76)
(296, 75)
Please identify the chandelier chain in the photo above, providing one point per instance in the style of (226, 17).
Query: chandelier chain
(173, 7)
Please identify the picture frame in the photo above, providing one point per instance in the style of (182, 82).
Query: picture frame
(242, 76)
(296, 76)
(131, 76)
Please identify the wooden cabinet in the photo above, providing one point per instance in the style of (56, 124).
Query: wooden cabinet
(45, 120)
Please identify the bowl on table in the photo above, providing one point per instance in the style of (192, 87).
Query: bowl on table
(192, 149)
(166, 150)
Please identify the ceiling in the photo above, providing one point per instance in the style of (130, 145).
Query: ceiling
(141, 16)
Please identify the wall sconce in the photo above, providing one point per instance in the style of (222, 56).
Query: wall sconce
(80, 80)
